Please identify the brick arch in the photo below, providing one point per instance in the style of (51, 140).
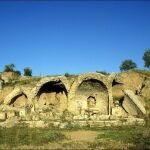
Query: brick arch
(84, 77)
(46, 80)
(89, 76)
(13, 94)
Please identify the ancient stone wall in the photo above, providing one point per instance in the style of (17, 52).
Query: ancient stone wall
(91, 96)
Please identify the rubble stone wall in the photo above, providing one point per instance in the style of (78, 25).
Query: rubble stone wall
(88, 97)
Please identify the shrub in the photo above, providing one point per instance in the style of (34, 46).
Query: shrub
(67, 74)
(27, 71)
(103, 72)
(53, 135)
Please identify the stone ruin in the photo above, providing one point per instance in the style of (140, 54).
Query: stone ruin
(85, 100)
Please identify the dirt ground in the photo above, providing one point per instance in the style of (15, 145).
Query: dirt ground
(87, 136)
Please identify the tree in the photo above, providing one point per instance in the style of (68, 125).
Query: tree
(146, 58)
(18, 72)
(27, 71)
(67, 74)
(9, 68)
(128, 65)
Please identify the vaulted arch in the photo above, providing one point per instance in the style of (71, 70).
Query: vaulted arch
(16, 98)
(46, 80)
(52, 93)
(90, 76)
(18, 101)
(86, 85)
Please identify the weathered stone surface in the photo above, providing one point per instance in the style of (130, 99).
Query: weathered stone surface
(6, 76)
(130, 107)
(63, 125)
(22, 112)
(134, 121)
(36, 124)
(135, 100)
(117, 92)
(85, 77)
(10, 122)
(1, 84)
(10, 114)
(5, 92)
(2, 115)
(56, 124)
(86, 100)
(13, 94)
(78, 100)
(118, 111)
(145, 90)
(131, 80)
(103, 117)
(45, 80)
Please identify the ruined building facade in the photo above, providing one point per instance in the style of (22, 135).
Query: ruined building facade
(86, 99)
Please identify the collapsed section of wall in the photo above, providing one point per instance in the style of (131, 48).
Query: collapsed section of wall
(88, 97)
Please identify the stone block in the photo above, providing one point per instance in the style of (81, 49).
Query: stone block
(22, 112)
(2, 116)
(10, 114)
(56, 124)
(99, 123)
(63, 125)
(103, 117)
(118, 111)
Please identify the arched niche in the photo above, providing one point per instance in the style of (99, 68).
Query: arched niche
(18, 101)
(52, 95)
(92, 91)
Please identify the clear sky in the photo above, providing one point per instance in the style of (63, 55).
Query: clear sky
(75, 37)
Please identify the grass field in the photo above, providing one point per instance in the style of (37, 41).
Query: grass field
(130, 137)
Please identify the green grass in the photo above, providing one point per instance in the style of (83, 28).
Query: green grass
(103, 72)
(16, 136)
(144, 72)
(70, 76)
(126, 137)
(31, 81)
(139, 136)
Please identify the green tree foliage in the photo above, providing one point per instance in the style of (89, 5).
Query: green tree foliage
(18, 72)
(9, 68)
(27, 71)
(146, 58)
(128, 65)
(67, 74)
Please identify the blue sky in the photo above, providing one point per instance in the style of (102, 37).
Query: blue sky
(75, 37)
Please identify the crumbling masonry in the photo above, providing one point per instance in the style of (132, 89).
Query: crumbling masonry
(58, 101)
